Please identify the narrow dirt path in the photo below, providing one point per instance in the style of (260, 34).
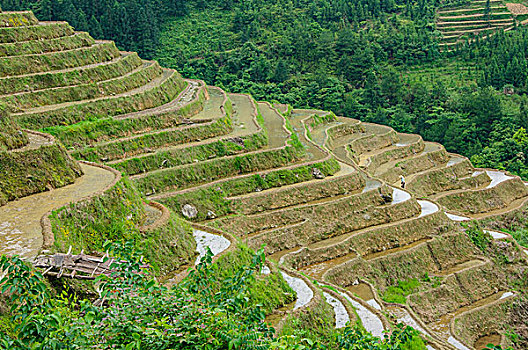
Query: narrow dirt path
(244, 124)
(20, 229)
(211, 110)
(182, 99)
(35, 141)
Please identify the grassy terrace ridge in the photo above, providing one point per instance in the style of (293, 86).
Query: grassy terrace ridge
(90, 132)
(73, 41)
(40, 31)
(457, 24)
(322, 193)
(140, 76)
(213, 197)
(95, 72)
(32, 164)
(11, 137)
(216, 110)
(470, 28)
(190, 175)
(213, 147)
(157, 92)
(17, 19)
(471, 22)
(21, 65)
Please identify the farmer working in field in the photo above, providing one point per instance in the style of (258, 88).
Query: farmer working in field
(402, 180)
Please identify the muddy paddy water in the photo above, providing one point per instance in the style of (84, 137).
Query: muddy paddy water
(403, 316)
(497, 177)
(304, 293)
(441, 328)
(497, 235)
(341, 314)
(20, 229)
(205, 240)
(399, 196)
(364, 292)
(371, 322)
(428, 208)
(454, 217)
(454, 160)
(482, 342)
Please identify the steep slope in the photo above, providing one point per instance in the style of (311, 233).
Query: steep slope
(320, 192)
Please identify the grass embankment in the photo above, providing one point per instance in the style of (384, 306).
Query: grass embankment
(10, 135)
(317, 322)
(87, 75)
(17, 19)
(19, 65)
(186, 155)
(88, 91)
(399, 292)
(213, 198)
(93, 130)
(117, 215)
(271, 291)
(37, 32)
(35, 170)
(215, 169)
(130, 147)
(158, 95)
(50, 45)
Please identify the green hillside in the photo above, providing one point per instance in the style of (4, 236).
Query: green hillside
(142, 207)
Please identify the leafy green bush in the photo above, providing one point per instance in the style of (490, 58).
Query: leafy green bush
(203, 310)
(398, 294)
(480, 238)
(212, 308)
(404, 338)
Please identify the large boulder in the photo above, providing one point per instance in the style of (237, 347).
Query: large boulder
(189, 211)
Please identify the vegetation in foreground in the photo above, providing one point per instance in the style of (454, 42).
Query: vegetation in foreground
(210, 309)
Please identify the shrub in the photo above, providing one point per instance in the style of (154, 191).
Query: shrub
(398, 294)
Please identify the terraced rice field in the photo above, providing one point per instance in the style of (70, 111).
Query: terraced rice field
(321, 192)
(460, 24)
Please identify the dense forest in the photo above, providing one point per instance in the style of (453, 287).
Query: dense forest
(363, 59)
